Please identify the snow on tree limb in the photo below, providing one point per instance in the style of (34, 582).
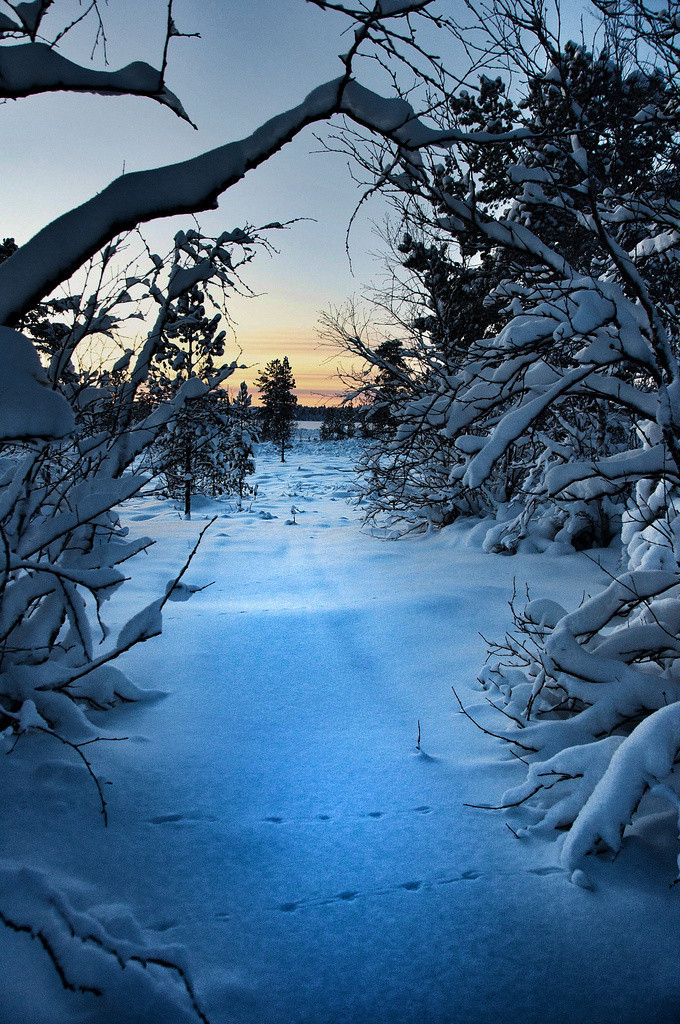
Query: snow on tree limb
(31, 68)
(28, 407)
(190, 186)
(644, 759)
(513, 425)
(627, 465)
(61, 247)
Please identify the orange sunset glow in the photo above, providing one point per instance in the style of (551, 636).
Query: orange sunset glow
(283, 322)
(313, 366)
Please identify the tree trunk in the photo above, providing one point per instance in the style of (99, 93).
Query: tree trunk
(187, 483)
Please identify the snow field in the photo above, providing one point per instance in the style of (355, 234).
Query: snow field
(272, 815)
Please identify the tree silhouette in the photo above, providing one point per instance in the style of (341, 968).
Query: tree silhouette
(276, 383)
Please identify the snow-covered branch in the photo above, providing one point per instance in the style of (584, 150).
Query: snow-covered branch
(30, 68)
(52, 255)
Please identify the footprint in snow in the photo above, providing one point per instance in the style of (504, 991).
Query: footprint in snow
(275, 819)
(180, 819)
(350, 895)
(423, 809)
(465, 876)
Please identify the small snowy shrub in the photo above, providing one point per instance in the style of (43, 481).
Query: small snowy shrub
(596, 692)
(62, 480)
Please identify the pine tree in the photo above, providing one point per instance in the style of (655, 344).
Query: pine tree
(194, 453)
(511, 230)
(389, 384)
(276, 383)
(240, 444)
(332, 427)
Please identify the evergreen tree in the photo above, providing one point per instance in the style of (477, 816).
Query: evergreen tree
(242, 438)
(193, 448)
(276, 383)
(390, 379)
(332, 427)
(338, 423)
(498, 230)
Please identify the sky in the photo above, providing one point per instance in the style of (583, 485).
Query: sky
(254, 59)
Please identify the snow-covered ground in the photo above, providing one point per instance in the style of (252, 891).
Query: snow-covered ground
(272, 815)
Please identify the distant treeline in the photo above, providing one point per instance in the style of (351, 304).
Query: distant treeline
(313, 413)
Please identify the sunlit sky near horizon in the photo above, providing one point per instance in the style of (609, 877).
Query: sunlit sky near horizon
(254, 59)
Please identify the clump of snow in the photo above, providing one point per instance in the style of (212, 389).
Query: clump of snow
(581, 879)
(28, 407)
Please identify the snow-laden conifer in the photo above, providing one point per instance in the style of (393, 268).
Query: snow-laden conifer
(240, 445)
(276, 384)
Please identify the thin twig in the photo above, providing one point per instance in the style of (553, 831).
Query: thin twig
(496, 735)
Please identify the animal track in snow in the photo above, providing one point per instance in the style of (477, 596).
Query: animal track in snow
(423, 809)
(350, 895)
(180, 819)
(276, 819)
